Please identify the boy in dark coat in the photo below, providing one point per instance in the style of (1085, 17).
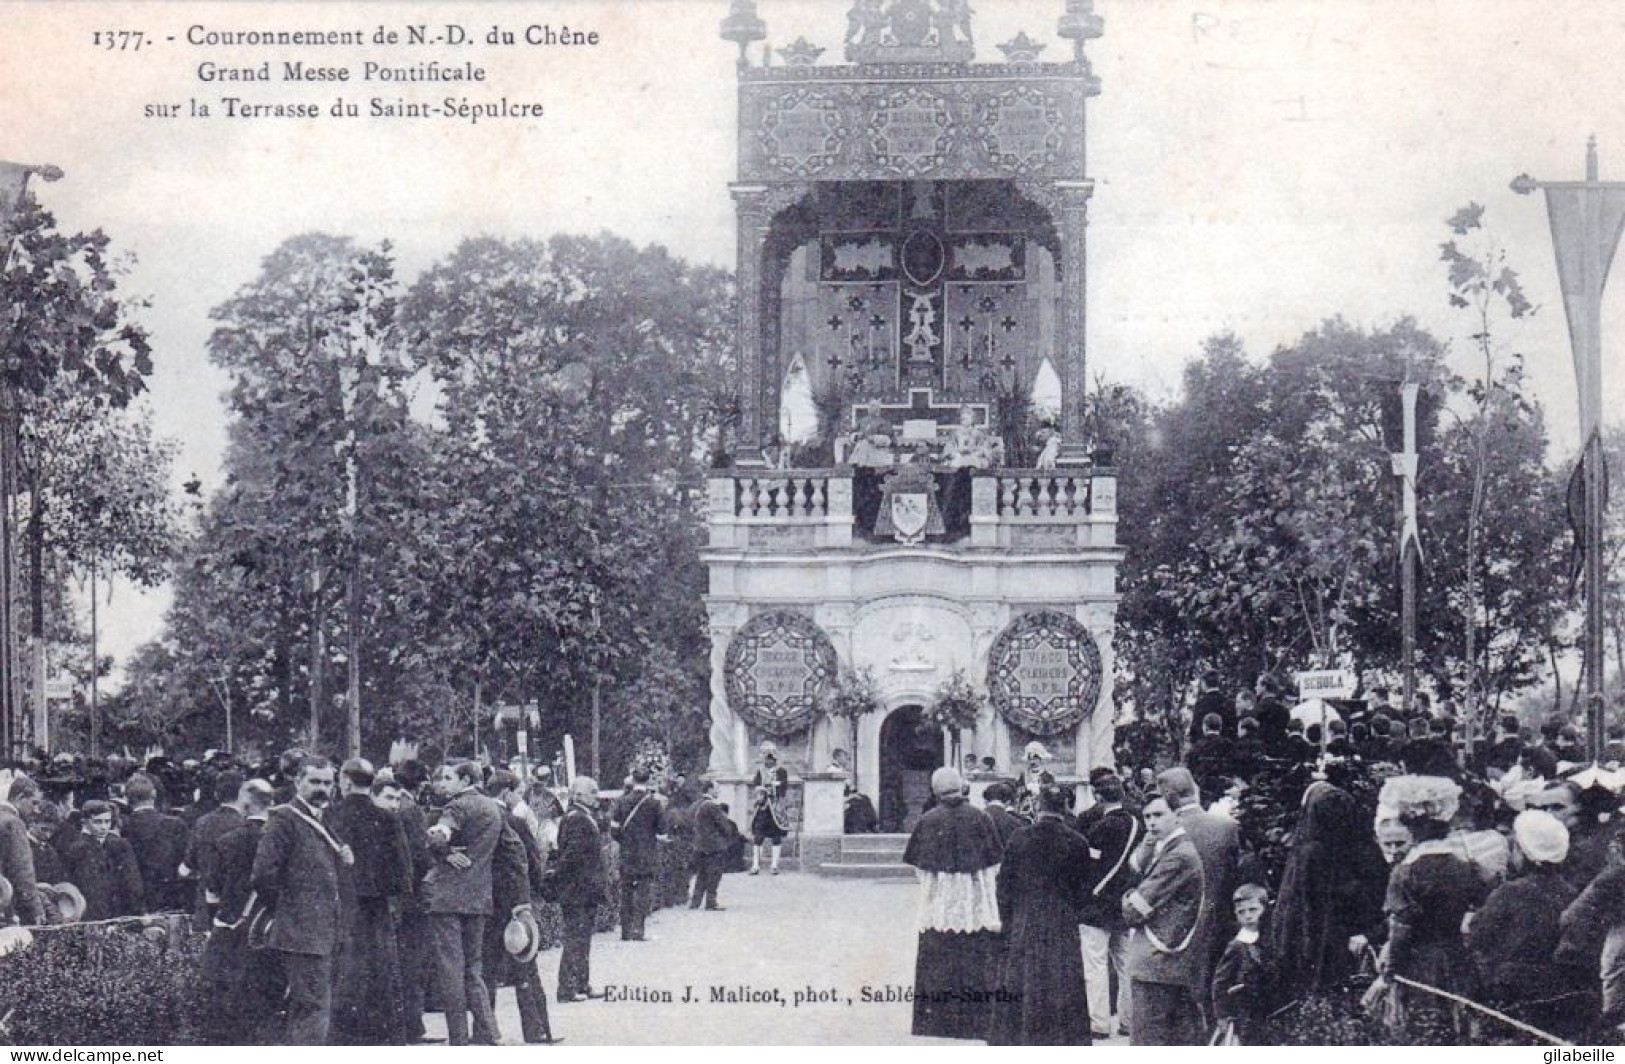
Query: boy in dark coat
(1242, 978)
(103, 866)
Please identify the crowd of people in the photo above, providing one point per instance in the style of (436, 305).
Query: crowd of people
(1458, 893)
(1455, 896)
(342, 902)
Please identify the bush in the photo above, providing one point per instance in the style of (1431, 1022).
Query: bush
(110, 985)
(104, 985)
(1324, 1020)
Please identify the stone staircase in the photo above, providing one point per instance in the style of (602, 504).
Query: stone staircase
(869, 857)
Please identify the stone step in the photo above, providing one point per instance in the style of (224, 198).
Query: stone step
(874, 843)
(872, 870)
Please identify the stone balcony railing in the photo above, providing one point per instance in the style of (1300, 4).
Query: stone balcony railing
(807, 509)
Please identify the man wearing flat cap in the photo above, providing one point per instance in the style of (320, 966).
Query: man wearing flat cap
(955, 852)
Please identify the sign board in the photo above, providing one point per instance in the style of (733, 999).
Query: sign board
(1325, 683)
(522, 741)
(525, 715)
(59, 690)
(1044, 673)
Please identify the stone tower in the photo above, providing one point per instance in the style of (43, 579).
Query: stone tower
(912, 494)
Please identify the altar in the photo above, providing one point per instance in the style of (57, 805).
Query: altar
(914, 504)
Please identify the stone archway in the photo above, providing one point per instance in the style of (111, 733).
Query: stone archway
(910, 750)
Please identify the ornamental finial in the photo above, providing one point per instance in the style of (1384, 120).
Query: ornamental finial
(743, 26)
(1079, 24)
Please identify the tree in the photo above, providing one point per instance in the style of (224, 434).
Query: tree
(1481, 283)
(318, 385)
(577, 381)
(72, 357)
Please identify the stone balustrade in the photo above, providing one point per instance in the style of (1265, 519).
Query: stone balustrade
(803, 509)
(783, 494)
(1047, 494)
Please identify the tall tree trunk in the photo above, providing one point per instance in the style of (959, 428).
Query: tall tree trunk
(352, 688)
(318, 661)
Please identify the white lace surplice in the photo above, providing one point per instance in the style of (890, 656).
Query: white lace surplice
(959, 901)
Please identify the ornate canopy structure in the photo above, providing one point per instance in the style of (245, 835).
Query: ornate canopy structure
(911, 220)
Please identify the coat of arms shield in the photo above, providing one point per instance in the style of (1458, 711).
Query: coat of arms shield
(909, 511)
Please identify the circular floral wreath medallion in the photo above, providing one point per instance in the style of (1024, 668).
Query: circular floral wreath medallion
(776, 671)
(1043, 673)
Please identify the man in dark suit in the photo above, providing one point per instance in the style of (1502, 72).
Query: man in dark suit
(714, 836)
(1217, 841)
(19, 856)
(103, 866)
(458, 896)
(239, 989)
(998, 797)
(158, 841)
(296, 869)
(580, 887)
(635, 824)
(369, 1009)
(1211, 700)
(517, 880)
(417, 953)
(202, 847)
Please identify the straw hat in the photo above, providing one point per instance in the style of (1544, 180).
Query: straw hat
(522, 938)
(65, 899)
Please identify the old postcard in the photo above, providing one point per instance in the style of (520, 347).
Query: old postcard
(810, 522)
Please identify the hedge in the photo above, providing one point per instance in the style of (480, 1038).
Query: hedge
(112, 985)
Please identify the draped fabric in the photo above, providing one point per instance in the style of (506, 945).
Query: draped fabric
(958, 901)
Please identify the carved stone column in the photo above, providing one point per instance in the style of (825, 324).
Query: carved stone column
(991, 737)
(1073, 223)
(725, 618)
(753, 219)
(836, 619)
(1098, 732)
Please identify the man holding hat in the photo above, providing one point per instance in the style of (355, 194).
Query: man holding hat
(956, 854)
(239, 988)
(16, 853)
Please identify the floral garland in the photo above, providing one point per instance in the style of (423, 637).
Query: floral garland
(957, 703)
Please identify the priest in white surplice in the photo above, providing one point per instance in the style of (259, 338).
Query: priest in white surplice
(956, 854)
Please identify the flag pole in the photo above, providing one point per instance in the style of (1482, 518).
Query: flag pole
(1586, 220)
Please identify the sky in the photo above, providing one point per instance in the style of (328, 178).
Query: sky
(1260, 165)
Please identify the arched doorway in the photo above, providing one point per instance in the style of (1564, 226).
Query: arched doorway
(910, 750)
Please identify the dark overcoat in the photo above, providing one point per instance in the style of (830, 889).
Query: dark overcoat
(296, 865)
(1043, 880)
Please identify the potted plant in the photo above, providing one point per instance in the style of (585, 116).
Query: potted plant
(955, 706)
(853, 695)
